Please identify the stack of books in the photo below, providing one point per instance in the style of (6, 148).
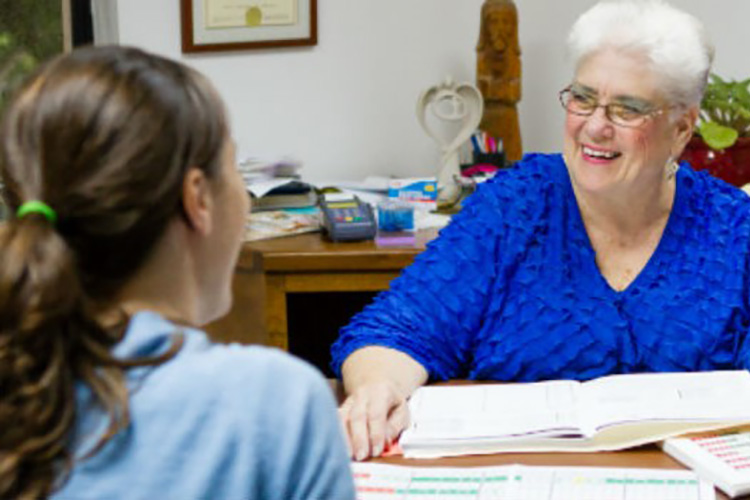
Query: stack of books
(291, 194)
(276, 185)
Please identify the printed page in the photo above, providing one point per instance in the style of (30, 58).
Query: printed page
(598, 483)
(476, 411)
(702, 396)
(381, 482)
(384, 482)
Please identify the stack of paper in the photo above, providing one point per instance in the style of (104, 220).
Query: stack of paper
(722, 457)
(608, 413)
(277, 223)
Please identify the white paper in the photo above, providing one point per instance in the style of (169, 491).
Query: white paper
(670, 396)
(511, 410)
(518, 482)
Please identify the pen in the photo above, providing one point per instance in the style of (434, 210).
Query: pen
(475, 143)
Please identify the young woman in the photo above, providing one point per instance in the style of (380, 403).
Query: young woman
(129, 215)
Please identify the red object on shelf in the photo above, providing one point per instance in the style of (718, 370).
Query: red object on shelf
(731, 165)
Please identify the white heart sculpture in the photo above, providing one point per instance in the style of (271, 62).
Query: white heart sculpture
(451, 102)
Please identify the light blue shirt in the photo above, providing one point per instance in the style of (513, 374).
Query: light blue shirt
(214, 422)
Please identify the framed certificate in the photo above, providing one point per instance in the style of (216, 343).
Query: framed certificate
(220, 25)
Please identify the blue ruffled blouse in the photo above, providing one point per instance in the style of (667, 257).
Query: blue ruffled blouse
(510, 290)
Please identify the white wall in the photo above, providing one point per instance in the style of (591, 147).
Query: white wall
(345, 107)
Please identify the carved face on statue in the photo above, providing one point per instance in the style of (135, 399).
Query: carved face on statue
(501, 27)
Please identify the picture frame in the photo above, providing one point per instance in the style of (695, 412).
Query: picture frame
(230, 25)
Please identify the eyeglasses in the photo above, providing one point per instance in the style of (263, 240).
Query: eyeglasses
(622, 114)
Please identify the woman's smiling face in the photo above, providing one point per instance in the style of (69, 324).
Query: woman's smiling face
(606, 158)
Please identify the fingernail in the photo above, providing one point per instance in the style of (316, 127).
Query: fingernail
(361, 455)
(377, 451)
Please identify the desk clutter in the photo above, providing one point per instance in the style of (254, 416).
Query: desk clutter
(387, 210)
(375, 481)
(400, 206)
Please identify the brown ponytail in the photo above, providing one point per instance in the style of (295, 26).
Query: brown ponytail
(104, 136)
(39, 293)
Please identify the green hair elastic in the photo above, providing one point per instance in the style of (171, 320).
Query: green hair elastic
(37, 207)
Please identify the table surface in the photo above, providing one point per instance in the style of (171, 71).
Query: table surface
(313, 252)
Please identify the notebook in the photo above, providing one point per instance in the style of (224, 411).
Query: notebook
(609, 413)
(722, 457)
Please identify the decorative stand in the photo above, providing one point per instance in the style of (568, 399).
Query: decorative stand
(450, 102)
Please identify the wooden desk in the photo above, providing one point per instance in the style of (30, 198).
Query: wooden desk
(269, 270)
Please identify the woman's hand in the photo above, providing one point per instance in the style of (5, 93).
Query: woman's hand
(373, 416)
(378, 381)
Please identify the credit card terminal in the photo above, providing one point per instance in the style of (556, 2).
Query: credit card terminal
(347, 218)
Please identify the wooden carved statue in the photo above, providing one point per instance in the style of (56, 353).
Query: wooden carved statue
(499, 74)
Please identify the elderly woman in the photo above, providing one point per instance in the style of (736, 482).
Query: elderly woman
(609, 258)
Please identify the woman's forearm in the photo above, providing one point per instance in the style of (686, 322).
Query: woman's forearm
(375, 364)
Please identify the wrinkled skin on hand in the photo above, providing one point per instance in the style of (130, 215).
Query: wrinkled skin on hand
(373, 416)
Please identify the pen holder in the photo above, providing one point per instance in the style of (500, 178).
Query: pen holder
(496, 159)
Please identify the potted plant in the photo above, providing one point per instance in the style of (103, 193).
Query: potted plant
(721, 144)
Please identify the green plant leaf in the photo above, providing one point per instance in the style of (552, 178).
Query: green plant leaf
(726, 105)
(717, 136)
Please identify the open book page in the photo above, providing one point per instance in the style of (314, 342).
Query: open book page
(611, 413)
(676, 397)
(380, 481)
(511, 410)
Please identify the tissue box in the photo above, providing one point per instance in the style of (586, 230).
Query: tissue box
(420, 192)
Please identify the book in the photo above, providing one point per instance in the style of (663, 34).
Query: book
(281, 201)
(383, 481)
(291, 194)
(608, 413)
(721, 457)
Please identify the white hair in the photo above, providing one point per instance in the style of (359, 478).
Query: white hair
(674, 42)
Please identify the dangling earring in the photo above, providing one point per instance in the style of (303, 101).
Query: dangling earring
(672, 168)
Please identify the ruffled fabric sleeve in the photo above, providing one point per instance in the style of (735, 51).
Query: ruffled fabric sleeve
(432, 311)
(728, 211)
(741, 319)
